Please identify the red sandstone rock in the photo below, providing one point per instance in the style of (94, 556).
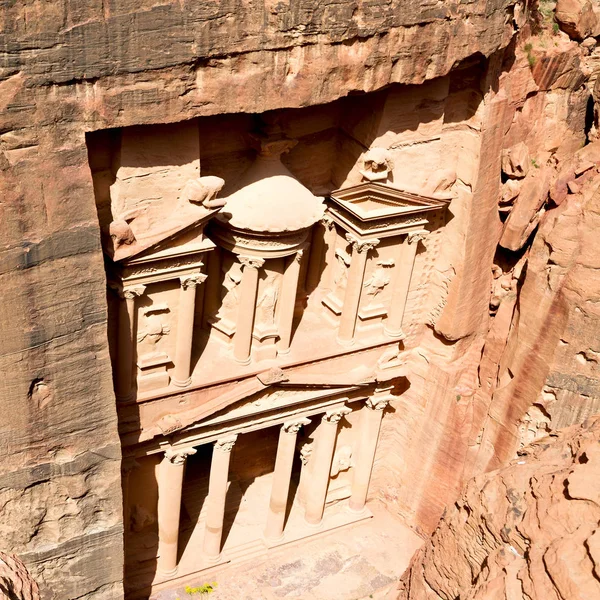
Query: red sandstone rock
(529, 529)
(576, 17)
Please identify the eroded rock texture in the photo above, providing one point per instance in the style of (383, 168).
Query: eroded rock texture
(528, 530)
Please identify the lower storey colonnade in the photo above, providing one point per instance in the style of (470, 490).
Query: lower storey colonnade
(172, 467)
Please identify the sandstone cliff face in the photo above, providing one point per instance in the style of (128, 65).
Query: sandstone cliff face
(67, 69)
(528, 530)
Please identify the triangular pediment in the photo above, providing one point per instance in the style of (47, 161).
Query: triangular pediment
(373, 200)
(174, 238)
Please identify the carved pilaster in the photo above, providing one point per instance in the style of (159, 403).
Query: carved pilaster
(242, 340)
(356, 274)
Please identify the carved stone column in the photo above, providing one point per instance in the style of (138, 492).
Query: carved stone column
(321, 459)
(281, 478)
(242, 339)
(401, 283)
(321, 240)
(217, 493)
(185, 328)
(330, 238)
(126, 340)
(356, 274)
(368, 435)
(212, 297)
(170, 484)
(288, 302)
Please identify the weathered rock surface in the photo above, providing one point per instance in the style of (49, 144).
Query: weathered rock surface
(15, 581)
(528, 530)
(68, 69)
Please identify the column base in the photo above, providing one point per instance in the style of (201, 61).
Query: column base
(357, 511)
(126, 398)
(345, 343)
(181, 384)
(213, 560)
(270, 541)
(170, 573)
(245, 361)
(395, 333)
(315, 526)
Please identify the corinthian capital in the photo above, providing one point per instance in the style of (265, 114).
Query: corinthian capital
(129, 292)
(177, 456)
(192, 280)
(336, 415)
(375, 403)
(327, 222)
(226, 444)
(251, 261)
(361, 245)
(417, 236)
(294, 426)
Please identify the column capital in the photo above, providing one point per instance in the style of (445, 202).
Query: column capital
(328, 222)
(336, 415)
(375, 403)
(361, 245)
(417, 236)
(294, 426)
(251, 261)
(177, 456)
(192, 280)
(129, 292)
(299, 254)
(226, 444)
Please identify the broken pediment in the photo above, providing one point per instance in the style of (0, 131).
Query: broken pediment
(373, 207)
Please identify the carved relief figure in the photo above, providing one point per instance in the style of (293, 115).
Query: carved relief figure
(267, 301)
(204, 191)
(378, 280)
(230, 294)
(340, 276)
(153, 328)
(342, 460)
(377, 164)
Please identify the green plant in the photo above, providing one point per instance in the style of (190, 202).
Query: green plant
(201, 590)
(530, 57)
(535, 163)
(555, 28)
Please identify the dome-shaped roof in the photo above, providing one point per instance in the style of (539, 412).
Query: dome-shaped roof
(269, 198)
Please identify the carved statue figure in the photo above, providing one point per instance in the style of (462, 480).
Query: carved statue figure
(204, 191)
(229, 301)
(341, 274)
(342, 460)
(265, 307)
(377, 164)
(120, 233)
(378, 280)
(153, 329)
